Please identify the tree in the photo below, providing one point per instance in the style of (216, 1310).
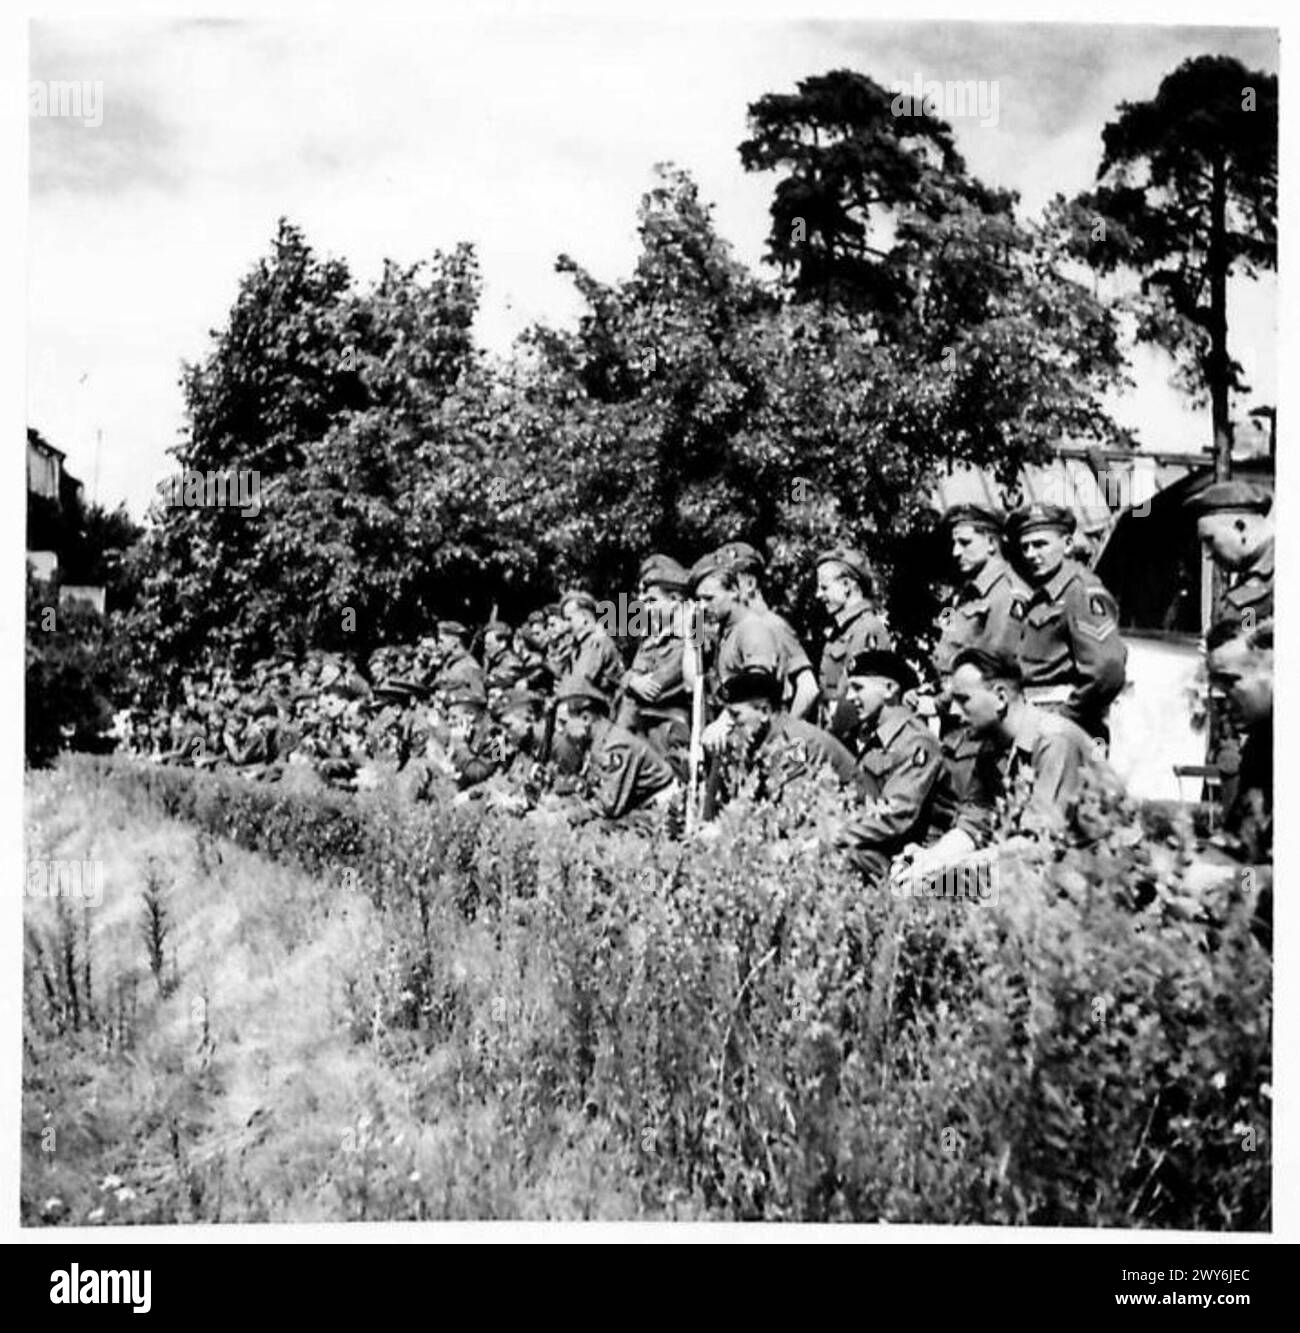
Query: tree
(1187, 198)
(855, 167)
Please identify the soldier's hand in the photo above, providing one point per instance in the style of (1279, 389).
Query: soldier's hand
(716, 733)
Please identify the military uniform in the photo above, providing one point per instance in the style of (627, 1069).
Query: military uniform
(459, 671)
(1070, 648)
(621, 773)
(763, 639)
(1249, 600)
(985, 612)
(597, 659)
(859, 630)
(901, 764)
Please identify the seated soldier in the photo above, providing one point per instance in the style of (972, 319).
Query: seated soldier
(1032, 762)
(1240, 665)
(501, 666)
(621, 774)
(764, 744)
(475, 752)
(899, 756)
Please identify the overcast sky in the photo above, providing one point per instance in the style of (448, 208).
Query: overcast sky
(527, 137)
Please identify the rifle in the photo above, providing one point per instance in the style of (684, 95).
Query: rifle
(696, 752)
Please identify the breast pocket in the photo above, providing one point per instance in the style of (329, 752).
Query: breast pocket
(1044, 640)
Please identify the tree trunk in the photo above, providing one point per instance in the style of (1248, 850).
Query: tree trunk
(1218, 361)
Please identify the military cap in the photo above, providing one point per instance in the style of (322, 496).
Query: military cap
(1039, 515)
(498, 627)
(663, 571)
(465, 696)
(852, 559)
(978, 516)
(397, 689)
(884, 662)
(712, 563)
(452, 627)
(1230, 497)
(741, 555)
(755, 681)
(583, 599)
(578, 689)
(519, 699)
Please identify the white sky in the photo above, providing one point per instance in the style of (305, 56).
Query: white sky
(529, 137)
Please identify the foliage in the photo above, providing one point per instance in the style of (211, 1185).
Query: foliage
(70, 680)
(1187, 194)
(737, 1030)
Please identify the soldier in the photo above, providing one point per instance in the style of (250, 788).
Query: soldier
(458, 671)
(846, 589)
(1240, 663)
(1069, 647)
(595, 656)
(762, 738)
(749, 567)
(530, 649)
(1234, 523)
(559, 642)
(899, 757)
(474, 750)
(988, 605)
(621, 774)
(751, 637)
(501, 667)
(1032, 762)
(655, 701)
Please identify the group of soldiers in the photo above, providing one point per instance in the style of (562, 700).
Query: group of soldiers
(995, 737)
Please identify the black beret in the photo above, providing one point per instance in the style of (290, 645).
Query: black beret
(749, 683)
(883, 662)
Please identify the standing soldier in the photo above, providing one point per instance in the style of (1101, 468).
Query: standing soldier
(846, 589)
(501, 667)
(1234, 522)
(988, 605)
(656, 703)
(1070, 649)
(595, 656)
(749, 636)
(748, 565)
(899, 758)
(459, 671)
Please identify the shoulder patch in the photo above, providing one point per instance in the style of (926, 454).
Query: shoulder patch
(1099, 605)
(920, 756)
(1018, 608)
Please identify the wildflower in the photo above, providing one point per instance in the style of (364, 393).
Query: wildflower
(111, 1183)
(125, 1194)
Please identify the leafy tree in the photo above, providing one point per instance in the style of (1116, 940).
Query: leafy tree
(70, 679)
(1188, 198)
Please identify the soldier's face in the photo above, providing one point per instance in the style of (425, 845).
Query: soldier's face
(833, 589)
(1229, 539)
(972, 547)
(579, 723)
(1044, 551)
(750, 716)
(715, 598)
(980, 705)
(869, 694)
(1243, 678)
